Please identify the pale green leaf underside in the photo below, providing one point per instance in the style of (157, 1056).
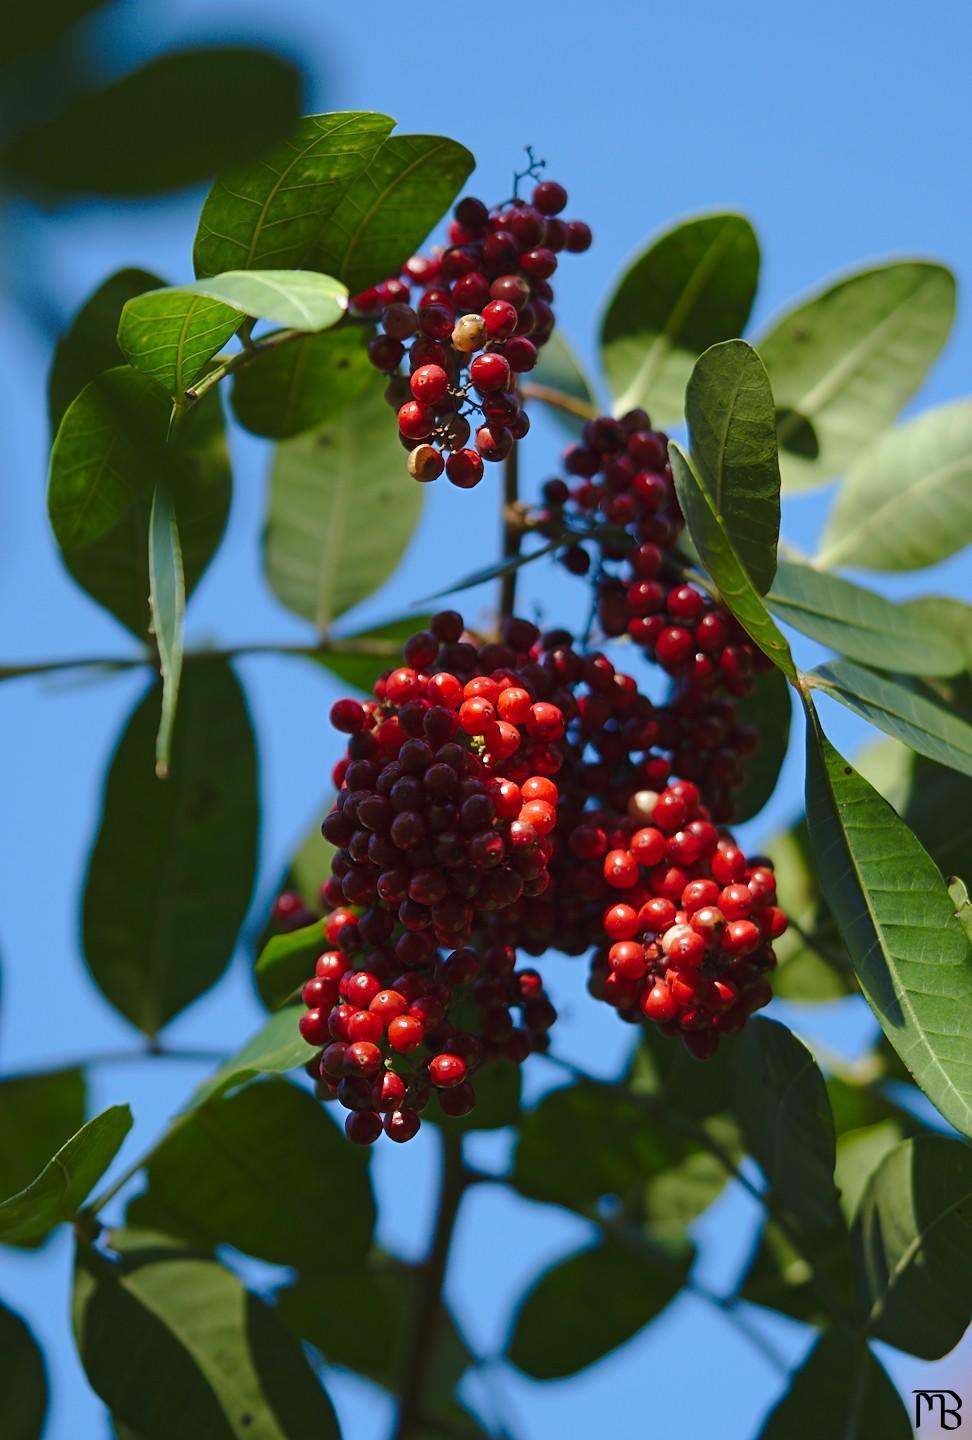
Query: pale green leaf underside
(859, 623)
(907, 499)
(911, 956)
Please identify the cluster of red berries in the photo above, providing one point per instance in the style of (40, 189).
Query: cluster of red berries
(622, 475)
(445, 812)
(482, 316)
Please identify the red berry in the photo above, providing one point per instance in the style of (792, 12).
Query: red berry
(500, 318)
(620, 869)
(549, 197)
(348, 716)
(465, 469)
(490, 372)
(363, 1127)
(405, 1033)
(658, 1003)
(415, 421)
(429, 384)
(402, 1125)
(447, 1070)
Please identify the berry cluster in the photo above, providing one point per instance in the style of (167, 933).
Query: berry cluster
(484, 312)
(445, 812)
(621, 474)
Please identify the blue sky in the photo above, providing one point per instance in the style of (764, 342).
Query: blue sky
(842, 132)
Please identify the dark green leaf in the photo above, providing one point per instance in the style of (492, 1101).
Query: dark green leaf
(271, 214)
(59, 1190)
(362, 670)
(778, 1277)
(172, 867)
(691, 287)
(90, 343)
(390, 207)
(167, 125)
(817, 969)
(590, 1303)
(498, 568)
(859, 623)
(841, 1390)
(767, 709)
(31, 27)
(911, 957)
(497, 1087)
(110, 455)
(23, 1379)
(171, 334)
(38, 1114)
(843, 363)
(275, 1048)
(677, 1084)
(859, 1153)
(781, 1103)
(899, 711)
(299, 386)
(342, 510)
(712, 540)
(913, 1246)
(202, 1356)
(258, 1170)
(732, 427)
(559, 370)
(907, 499)
(167, 601)
(286, 961)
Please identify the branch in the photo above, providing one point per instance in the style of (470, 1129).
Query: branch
(512, 529)
(559, 400)
(420, 1350)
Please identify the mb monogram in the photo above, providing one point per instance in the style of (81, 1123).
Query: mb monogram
(942, 1405)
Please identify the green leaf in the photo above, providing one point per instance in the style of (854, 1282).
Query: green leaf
(38, 1114)
(859, 623)
(286, 961)
(390, 207)
(271, 214)
(110, 455)
(63, 1184)
(903, 713)
(843, 363)
(907, 499)
(714, 544)
(169, 124)
(202, 1356)
(922, 792)
(257, 1170)
(167, 601)
(805, 972)
(497, 1087)
(732, 427)
(23, 1379)
(909, 953)
(558, 369)
(913, 1246)
(692, 287)
(592, 1302)
(859, 1152)
(34, 27)
(342, 510)
(767, 709)
(843, 1390)
(170, 875)
(778, 1277)
(172, 333)
(275, 1048)
(299, 386)
(90, 343)
(781, 1103)
(386, 640)
(951, 615)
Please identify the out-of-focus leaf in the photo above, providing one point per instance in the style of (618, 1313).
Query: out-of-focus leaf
(171, 334)
(286, 961)
(860, 623)
(690, 288)
(558, 369)
(859, 1152)
(342, 510)
(23, 1379)
(172, 867)
(390, 207)
(167, 601)
(780, 1278)
(841, 1389)
(111, 453)
(275, 1048)
(31, 27)
(299, 386)
(843, 363)
(768, 709)
(362, 670)
(169, 124)
(497, 1087)
(59, 1190)
(257, 1170)
(910, 955)
(271, 213)
(913, 1246)
(732, 428)
(907, 499)
(203, 1357)
(38, 1114)
(90, 343)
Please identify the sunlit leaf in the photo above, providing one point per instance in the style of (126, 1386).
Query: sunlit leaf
(38, 1114)
(62, 1186)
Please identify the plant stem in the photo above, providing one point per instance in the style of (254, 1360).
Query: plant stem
(122, 1057)
(420, 1350)
(559, 400)
(239, 359)
(512, 529)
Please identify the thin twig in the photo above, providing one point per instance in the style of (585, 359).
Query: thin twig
(121, 1057)
(558, 400)
(512, 529)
